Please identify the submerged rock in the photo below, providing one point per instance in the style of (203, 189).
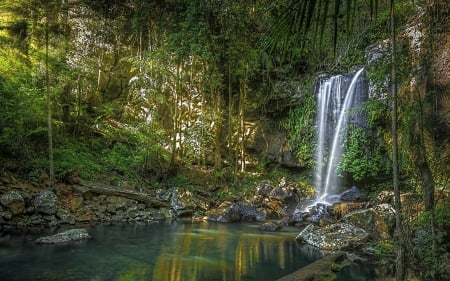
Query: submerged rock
(333, 237)
(63, 237)
(270, 226)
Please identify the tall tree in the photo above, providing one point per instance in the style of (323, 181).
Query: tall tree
(400, 261)
(48, 12)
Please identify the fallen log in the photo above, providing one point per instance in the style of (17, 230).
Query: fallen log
(323, 269)
(86, 187)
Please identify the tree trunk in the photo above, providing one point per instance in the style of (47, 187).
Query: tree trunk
(399, 233)
(218, 129)
(242, 125)
(49, 105)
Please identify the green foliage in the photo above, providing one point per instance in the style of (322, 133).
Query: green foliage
(120, 159)
(75, 157)
(430, 260)
(301, 130)
(365, 157)
(384, 252)
(22, 117)
(378, 31)
(180, 181)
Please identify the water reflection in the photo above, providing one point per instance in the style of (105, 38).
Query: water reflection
(164, 251)
(227, 252)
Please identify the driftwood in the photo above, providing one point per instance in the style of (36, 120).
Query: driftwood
(323, 269)
(87, 187)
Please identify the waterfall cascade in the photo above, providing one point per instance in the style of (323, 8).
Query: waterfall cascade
(337, 96)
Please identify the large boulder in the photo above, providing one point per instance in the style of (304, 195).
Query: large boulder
(236, 212)
(334, 237)
(13, 201)
(351, 194)
(46, 202)
(63, 237)
(378, 221)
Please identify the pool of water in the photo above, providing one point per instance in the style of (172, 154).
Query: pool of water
(166, 251)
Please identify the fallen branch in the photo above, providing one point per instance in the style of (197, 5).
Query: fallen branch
(323, 269)
(96, 188)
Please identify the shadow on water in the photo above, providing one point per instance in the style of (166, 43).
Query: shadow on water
(169, 251)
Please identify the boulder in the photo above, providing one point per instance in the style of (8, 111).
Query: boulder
(63, 237)
(270, 226)
(378, 226)
(14, 202)
(240, 211)
(349, 195)
(382, 198)
(45, 202)
(333, 237)
(340, 209)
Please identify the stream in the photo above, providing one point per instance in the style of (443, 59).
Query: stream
(160, 251)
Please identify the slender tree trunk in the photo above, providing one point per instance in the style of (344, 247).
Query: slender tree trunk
(242, 126)
(218, 129)
(230, 116)
(400, 261)
(49, 105)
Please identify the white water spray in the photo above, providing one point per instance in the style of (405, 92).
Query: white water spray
(330, 92)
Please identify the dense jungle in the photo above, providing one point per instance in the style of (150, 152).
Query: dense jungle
(136, 111)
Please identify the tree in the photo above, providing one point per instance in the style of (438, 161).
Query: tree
(48, 12)
(400, 261)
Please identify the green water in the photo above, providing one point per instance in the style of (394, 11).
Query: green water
(172, 251)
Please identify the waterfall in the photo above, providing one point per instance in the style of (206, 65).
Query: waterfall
(333, 116)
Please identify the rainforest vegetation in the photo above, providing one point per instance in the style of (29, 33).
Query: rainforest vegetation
(155, 93)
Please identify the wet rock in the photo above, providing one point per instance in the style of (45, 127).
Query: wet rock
(45, 202)
(159, 216)
(168, 214)
(163, 194)
(264, 189)
(370, 221)
(6, 215)
(317, 212)
(35, 219)
(144, 216)
(64, 237)
(351, 194)
(334, 237)
(84, 214)
(75, 202)
(270, 226)
(117, 203)
(281, 193)
(14, 202)
(383, 197)
(65, 216)
(240, 211)
(340, 209)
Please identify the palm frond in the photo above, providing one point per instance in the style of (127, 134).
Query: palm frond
(299, 19)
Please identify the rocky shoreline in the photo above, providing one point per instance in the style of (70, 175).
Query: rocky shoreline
(346, 223)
